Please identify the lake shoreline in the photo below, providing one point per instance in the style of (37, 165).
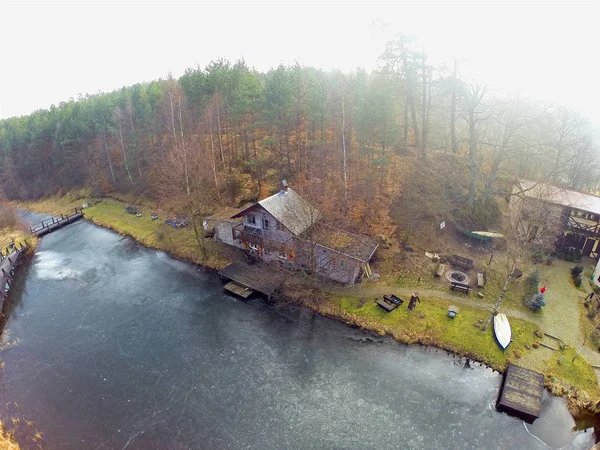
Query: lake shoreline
(580, 405)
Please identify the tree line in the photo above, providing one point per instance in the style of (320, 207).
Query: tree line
(228, 133)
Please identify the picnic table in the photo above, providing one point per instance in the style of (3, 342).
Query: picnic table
(466, 288)
(389, 302)
(462, 262)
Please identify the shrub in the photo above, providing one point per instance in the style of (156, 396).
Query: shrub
(576, 271)
(577, 281)
(550, 259)
(537, 256)
(536, 302)
(531, 283)
(8, 217)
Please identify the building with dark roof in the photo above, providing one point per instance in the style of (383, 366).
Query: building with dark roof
(285, 229)
(571, 217)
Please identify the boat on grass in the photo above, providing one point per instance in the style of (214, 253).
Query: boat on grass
(502, 330)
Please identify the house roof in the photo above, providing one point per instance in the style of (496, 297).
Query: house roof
(227, 212)
(352, 245)
(561, 196)
(295, 213)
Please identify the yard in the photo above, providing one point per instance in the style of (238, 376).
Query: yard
(562, 317)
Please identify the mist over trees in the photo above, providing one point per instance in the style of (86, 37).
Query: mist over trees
(229, 133)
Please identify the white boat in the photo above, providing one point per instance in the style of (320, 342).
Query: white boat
(502, 330)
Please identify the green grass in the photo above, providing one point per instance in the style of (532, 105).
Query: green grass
(155, 233)
(16, 235)
(110, 213)
(430, 324)
(574, 372)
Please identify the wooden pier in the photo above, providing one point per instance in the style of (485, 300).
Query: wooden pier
(54, 223)
(244, 279)
(9, 259)
(521, 393)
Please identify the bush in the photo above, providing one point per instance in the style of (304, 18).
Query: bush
(576, 271)
(8, 217)
(537, 256)
(536, 302)
(531, 283)
(577, 281)
(550, 259)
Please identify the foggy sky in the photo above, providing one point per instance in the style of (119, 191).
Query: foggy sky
(50, 52)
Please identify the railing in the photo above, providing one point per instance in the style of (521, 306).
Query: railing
(574, 224)
(55, 220)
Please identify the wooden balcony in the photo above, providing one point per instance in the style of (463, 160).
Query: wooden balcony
(580, 227)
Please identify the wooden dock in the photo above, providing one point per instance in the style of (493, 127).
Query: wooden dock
(521, 393)
(9, 259)
(237, 289)
(54, 223)
(257, 277)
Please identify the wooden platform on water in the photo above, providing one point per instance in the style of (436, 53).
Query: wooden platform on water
(258, 277)
(54, 223)
(521, 393)
(9, 259)
(236, 289)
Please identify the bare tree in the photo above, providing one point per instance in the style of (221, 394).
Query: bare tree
(474, 110)
(453, 111)
(118, 116)
(513, 131)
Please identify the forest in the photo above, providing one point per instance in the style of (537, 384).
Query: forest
(351, 142)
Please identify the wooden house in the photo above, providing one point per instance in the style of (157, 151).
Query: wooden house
(574, 217)
(284, 229)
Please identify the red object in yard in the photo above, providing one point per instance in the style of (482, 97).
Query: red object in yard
(542, 290)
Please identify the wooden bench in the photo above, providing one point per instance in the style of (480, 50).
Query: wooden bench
(440, 270)
(462, 262)
(389, 302)
(387, 306)
(461, 287)
(480, 279)
(394, 299)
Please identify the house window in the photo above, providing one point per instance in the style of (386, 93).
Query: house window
(279, 226)
(251, 218)
(266, 224)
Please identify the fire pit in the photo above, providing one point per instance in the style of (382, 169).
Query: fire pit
(457, 276)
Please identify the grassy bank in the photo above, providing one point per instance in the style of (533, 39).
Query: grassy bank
(7, 236)
(7, 441)
(110, 213)
(17, 236)
(427, 325)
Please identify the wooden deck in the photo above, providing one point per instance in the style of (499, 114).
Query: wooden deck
(521, 393)
(54, 223)
(8, 262)
(258, 277)
(236, 289)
